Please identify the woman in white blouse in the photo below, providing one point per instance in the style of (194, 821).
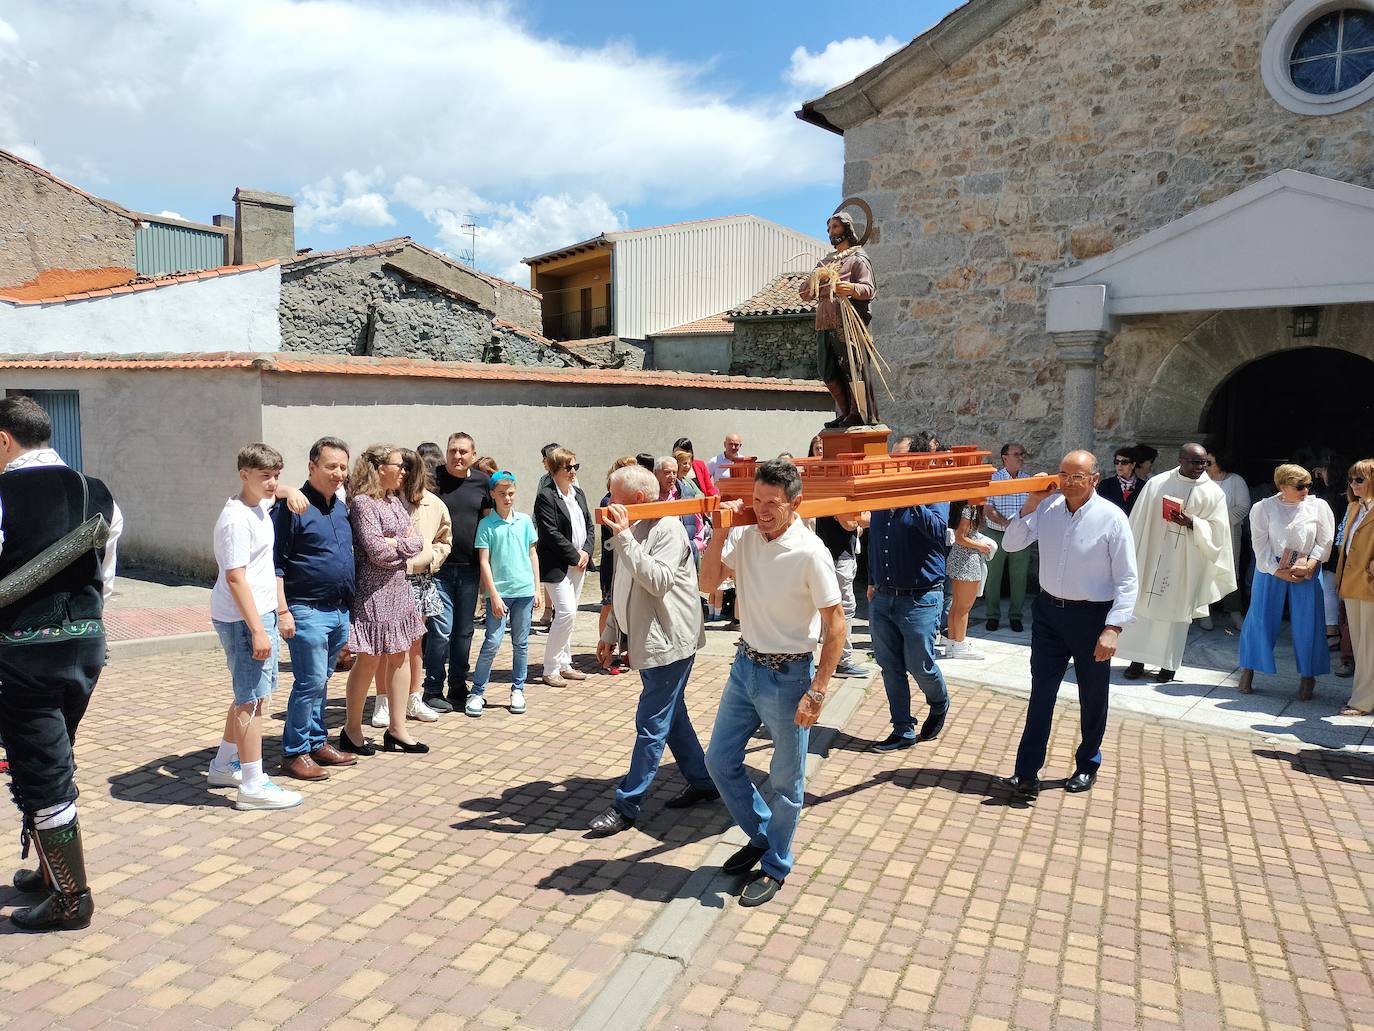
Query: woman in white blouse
(1292, 534)
(1237, 508)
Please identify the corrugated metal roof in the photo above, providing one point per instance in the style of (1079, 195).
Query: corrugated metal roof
(161, 248)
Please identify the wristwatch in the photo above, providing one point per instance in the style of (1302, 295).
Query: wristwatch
(816, 696)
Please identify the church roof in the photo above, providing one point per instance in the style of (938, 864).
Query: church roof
(930, 53)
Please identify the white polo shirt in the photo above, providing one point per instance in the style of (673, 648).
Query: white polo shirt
(781, 587)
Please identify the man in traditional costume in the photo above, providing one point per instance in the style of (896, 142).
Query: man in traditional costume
(842, 363)
(52, 649)
(1183, 548)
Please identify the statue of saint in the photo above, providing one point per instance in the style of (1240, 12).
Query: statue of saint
(844, 350)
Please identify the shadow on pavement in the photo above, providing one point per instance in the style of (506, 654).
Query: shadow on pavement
(1320, 762)
(172, 780)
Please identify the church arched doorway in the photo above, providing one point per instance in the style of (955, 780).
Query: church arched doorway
(1301, 399)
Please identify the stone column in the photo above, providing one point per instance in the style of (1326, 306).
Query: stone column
(1082, 352)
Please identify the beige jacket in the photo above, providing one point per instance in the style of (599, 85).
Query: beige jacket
(436, 527)
(1357, 558)
(655, 594)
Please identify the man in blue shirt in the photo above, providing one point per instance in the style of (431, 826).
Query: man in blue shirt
(314, 560)
(906, 576)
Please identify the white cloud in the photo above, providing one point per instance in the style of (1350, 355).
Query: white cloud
(172, 214)
(324, 205)
(465, 106)
(840, 61)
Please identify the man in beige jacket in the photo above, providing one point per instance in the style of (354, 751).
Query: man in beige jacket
(654, 601)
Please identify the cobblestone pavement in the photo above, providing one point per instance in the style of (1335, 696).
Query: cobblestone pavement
(1206, 881)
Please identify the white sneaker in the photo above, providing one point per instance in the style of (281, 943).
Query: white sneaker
(267, 796)
(960, 650)
(475, 705)
(517, 702)
(416, 709)
(381, 713)
(228, 776)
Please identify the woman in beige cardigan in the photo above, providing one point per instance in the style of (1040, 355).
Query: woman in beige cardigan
(1355, 583)
(431, 518)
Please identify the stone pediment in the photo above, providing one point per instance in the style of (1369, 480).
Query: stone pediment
(1291, 239)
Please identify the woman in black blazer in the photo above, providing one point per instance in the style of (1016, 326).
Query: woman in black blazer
(564, 548)
(1112, 486)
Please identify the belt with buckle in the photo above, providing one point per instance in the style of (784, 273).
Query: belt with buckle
(771, 660)
(905, 592)
(1068, 603)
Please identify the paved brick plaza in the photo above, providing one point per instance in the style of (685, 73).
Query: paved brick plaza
(1224, 884)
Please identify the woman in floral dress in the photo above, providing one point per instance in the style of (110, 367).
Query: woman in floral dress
(386, 620)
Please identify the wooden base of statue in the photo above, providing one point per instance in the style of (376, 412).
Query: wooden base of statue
(856, 474)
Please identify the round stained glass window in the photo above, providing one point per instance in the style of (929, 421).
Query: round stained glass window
(1334, 53)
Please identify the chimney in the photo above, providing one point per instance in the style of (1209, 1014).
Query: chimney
(226, 222)
(264, 226)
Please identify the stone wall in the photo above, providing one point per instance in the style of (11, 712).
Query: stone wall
(784, 348)
(1077, 127)
(44, 225)
(357, 306)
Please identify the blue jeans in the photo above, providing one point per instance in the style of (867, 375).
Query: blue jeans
(254, 679)
(1059, 635)
(449, 637)
(1306, 617)
(755, 693)
(518, 617)
(661, 719)
(903, 628)
(320, 636)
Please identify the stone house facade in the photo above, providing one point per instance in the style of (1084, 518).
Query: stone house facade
(1021, 139)
(775, 332)
(47, 224)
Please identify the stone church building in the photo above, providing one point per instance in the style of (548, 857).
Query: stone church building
(1100, 223)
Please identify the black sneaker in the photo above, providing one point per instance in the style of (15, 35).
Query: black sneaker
(934, 723)
(438, 703)
(744, 860)
(895, 741)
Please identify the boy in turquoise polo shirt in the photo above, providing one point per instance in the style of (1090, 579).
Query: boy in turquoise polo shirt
(510, 573)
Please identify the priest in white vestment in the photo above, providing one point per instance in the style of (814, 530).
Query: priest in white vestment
(1185, 563)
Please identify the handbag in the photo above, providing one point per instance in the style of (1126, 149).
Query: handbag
(91, 535)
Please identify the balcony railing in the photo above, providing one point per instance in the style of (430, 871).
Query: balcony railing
(578, 324)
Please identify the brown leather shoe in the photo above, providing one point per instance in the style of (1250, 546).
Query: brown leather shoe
(302, 767)
(328, 755)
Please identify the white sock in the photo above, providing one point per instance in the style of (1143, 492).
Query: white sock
(53, 816)
(228, 752)
(253, 777)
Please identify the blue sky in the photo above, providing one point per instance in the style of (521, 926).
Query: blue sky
(548, 121)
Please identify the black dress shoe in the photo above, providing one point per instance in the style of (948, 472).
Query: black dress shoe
(934, 723)
(1080, 781)
(850, 420)
(1164, 676)
(437, 702)
(30, 882)
(395, 744)
(1017, 626)
(1134, 671)
(759, 890)
(835, 422)
(690, 796)
(744, 860)
(895, 741)
(992, 624)
(612, 821)
(347, 744)
(1022, 790)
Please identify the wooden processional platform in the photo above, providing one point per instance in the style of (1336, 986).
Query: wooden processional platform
(856, 474)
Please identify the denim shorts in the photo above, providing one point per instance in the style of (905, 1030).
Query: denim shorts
(254, 679)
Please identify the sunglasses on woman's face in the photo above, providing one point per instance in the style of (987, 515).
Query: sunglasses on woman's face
(574, 466)
(1303, 486)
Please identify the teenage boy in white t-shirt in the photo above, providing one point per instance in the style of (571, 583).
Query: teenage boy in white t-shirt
(787, 590)
(245, 605)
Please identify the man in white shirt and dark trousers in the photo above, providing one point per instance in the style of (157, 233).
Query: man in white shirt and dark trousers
(1087, 594)
(787, 590)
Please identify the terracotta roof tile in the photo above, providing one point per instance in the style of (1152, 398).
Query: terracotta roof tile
(303, 363)
(58, 290)
(701, 327)
(777, 298)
